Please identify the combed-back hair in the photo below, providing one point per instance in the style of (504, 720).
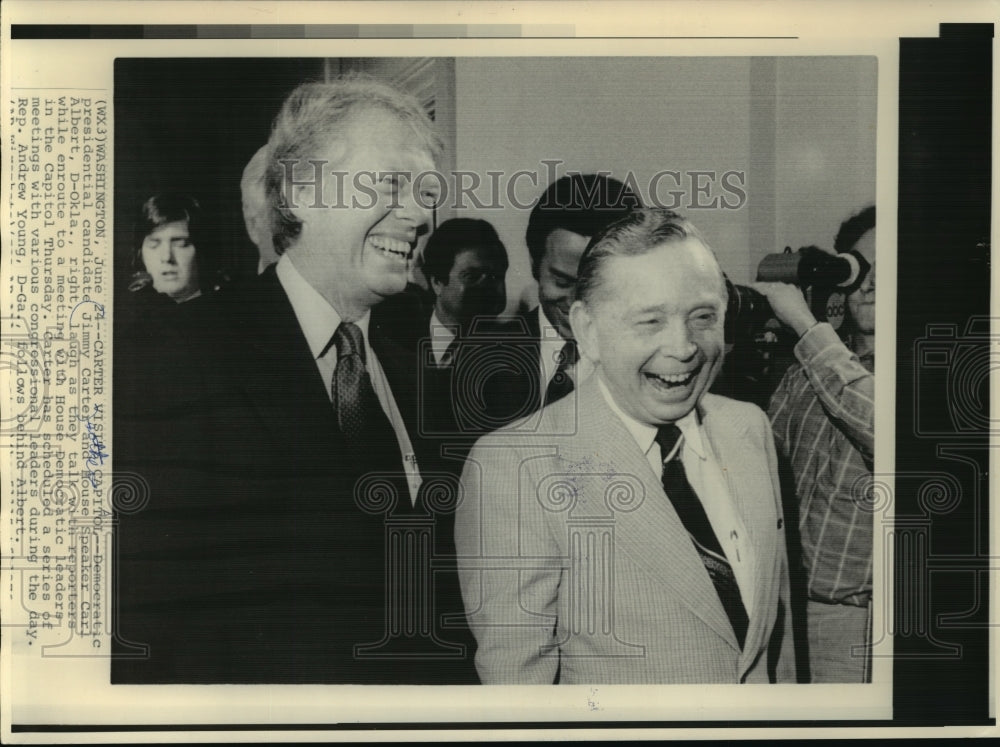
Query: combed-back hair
(637, 233)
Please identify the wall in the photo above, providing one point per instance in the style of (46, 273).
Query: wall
(800, 130)
(825, 150)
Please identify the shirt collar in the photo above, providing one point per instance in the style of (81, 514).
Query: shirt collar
(690, 426)
(439, 328)
(645, 434)
(317, 318)
(549, 334)
(441, 336)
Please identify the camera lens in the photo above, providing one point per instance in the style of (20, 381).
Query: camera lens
(746, 312)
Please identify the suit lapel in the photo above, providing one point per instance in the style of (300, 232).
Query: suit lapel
(283, 373)
(534, 338)
(281, 381)
(408, 382)
(728, 447)
(727, 433)
(652, 535)
(400, 365)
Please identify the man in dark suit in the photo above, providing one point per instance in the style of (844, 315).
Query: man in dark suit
(466, 265)
(545, 365)
(289, 524)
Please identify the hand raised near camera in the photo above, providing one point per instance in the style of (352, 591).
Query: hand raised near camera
(788, 304)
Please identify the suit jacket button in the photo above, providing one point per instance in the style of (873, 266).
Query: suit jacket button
(781, 523)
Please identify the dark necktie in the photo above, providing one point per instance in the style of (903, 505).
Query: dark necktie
(562, 383)
(450, 353)
(692, 514)
(358, 409)
(369, 433)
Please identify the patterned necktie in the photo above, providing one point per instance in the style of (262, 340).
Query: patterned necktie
(365, 425)
(354, 400)
(562, 383)
(692, 514)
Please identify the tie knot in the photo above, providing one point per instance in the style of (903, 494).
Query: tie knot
(349, 340)
(667, 437)
(568, 355)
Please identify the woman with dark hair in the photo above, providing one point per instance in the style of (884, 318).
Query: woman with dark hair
(167, 236)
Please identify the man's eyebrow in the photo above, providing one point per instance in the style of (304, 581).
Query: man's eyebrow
(561, 274)
(650, 309)
(666, 306)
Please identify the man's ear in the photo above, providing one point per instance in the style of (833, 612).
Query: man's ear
(584, 331)
(300, 200)
(315, 184)
(436, 285)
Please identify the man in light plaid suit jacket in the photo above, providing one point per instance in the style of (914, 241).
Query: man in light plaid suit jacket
(580, 558)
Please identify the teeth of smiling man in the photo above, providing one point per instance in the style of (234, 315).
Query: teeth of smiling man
(391, 245)
(674, 378)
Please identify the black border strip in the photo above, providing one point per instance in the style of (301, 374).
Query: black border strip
(294, 31)
(941, 662)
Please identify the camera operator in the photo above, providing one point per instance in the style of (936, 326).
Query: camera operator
(822, 414)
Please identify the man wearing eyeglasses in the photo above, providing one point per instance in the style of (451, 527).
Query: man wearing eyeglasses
(466, 265)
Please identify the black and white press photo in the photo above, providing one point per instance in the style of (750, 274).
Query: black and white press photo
(495, 370)
(499, 371)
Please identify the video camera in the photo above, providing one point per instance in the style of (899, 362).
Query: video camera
(810, 267)
(761, 348)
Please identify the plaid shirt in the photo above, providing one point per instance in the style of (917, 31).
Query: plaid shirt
(823, 415)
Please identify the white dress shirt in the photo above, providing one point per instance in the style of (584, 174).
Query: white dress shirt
(551, 345)
(441, 337)
(709, 484)
(318, 321)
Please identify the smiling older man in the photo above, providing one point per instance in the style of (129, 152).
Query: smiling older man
(278, 467)
(636, 536)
